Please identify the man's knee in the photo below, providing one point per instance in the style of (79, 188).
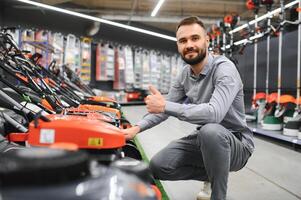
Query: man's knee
(156, 167)
(209, 132)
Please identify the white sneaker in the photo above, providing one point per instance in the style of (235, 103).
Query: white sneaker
(205, 192)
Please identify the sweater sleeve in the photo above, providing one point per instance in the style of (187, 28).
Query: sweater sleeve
(226, 86)
(176, 94)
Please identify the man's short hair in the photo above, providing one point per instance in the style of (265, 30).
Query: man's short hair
(191, 20)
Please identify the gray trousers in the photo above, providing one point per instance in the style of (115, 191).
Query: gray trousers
(208, 154)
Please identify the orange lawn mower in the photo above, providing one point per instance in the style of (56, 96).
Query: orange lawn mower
(89, 134)
(23, 94)
(100, 104)
(23, 70)
(41, 168)
(58, 83)
(34, 171)
(70, 114)
(51, 101)
(102, 141)
(113, 113)
(95, 103)
(95, 136)
(129, 148)
(44, 173)
(136, 95)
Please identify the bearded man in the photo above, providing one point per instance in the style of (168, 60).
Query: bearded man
(208, 92)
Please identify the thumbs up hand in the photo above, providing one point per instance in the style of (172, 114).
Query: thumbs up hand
(155, 102)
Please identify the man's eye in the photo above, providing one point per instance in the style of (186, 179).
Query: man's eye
(195, 38)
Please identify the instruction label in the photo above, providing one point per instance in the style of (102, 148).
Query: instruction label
(47, 136)
(95, 142)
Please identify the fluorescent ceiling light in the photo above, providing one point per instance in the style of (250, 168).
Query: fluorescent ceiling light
(97, 19)
(158, 6)
(278, 10)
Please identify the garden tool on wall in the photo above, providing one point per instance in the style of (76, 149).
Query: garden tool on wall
(292, 127)
(258, 105)
(254, 5)
(270, 122)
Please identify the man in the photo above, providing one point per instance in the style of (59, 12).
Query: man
(208, 92)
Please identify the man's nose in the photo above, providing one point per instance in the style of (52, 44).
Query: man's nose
(189, 45)
(189, 48)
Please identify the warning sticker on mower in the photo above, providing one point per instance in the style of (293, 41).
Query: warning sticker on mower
(95, 142)
(47, 136)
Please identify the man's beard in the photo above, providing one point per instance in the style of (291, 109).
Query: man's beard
(196, 60)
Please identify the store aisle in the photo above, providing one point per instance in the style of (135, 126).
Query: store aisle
(272, 173)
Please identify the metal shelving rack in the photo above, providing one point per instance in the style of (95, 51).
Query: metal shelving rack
(257, 129)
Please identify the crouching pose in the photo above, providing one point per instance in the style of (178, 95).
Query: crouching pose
(208, 92)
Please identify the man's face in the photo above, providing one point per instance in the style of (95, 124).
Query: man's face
(192, 43)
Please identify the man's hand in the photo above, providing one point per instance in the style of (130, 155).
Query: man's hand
(130, 133)
(155, 102)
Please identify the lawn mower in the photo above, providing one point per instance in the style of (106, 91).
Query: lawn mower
(88, 130)
(26, 72)
(40, 173)
(14, 64)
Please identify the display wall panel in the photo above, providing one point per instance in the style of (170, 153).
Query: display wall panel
(289, 66)
(289, 63)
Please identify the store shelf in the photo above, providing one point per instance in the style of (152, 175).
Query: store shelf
(257, 129)
(45, 46)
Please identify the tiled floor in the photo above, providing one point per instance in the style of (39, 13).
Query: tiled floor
(272, 173)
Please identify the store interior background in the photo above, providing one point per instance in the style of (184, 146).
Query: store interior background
(278, 178)
(17, 14)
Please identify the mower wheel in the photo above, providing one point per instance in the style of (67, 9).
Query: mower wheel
(42, 166)
(130, 150)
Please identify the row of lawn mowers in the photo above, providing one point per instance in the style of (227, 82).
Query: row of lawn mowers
(70, 144)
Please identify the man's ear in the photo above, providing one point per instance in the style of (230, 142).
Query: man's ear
(178, 47)
(179, 50)
(207, 40)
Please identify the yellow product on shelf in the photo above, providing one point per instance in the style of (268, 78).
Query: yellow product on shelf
(85, 71)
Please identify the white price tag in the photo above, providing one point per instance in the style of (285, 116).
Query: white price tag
(47, 136)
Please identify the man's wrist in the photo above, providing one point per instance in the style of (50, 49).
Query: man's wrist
(163, 107)
(137, 129)
(172, 108)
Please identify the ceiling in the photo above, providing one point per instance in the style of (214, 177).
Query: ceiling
(128, 11)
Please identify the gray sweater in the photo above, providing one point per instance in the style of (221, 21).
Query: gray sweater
(214, 96)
